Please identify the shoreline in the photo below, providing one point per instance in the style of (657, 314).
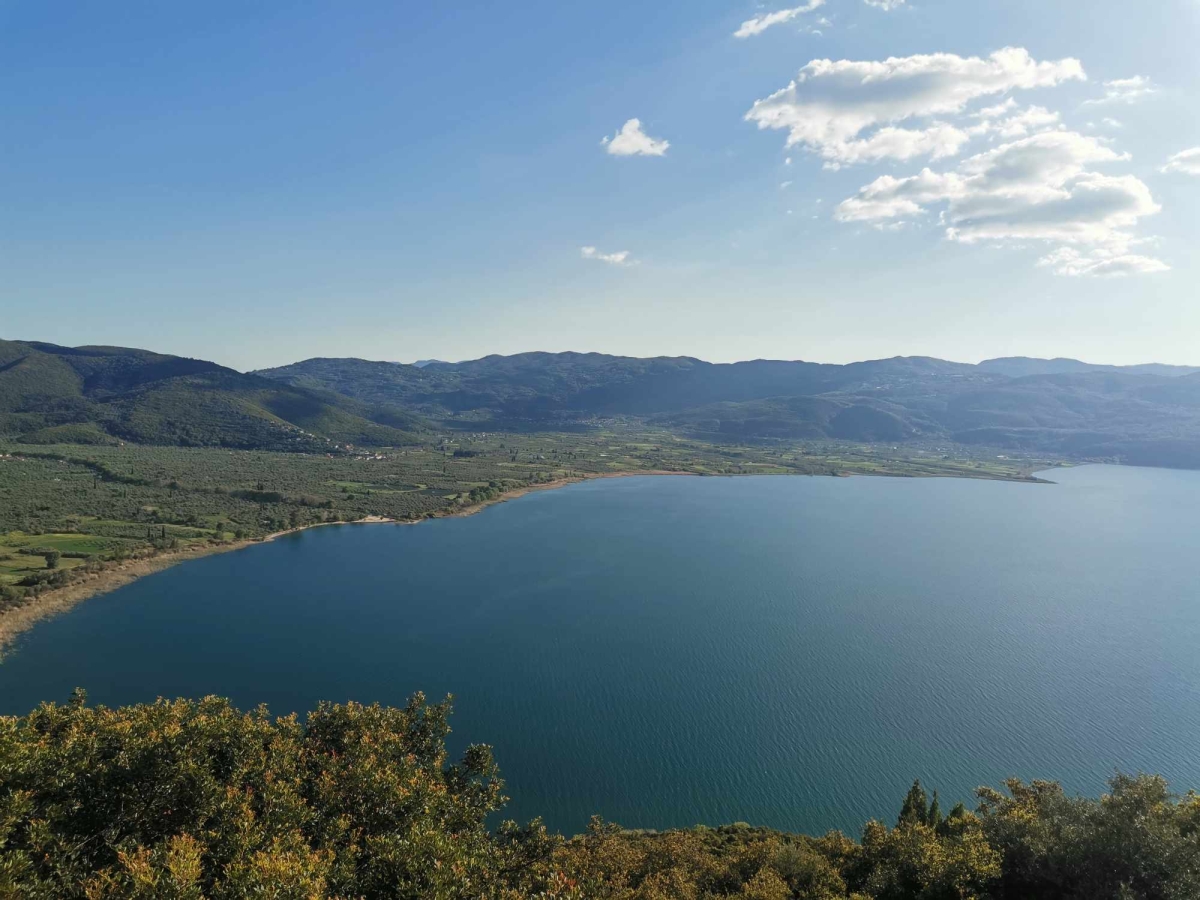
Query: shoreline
(16, 622)
(54, 602)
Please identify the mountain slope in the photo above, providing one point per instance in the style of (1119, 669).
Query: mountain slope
(98, 394)
(1137, 413)
(101, 394)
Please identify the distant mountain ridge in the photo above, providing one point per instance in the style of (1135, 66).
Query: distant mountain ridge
(1148, 414)
(1019, 366)
(1144, 414)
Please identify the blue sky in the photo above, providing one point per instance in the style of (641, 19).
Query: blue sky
(266, 182)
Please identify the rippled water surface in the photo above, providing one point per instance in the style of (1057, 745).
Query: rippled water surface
(666, 651)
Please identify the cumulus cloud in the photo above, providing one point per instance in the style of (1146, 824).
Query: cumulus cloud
(613, 259)
(851, 111)
(1125, 90)
(1038, 188)
(632, 141)
(759, 24)
(1187, 162)
(887, 5)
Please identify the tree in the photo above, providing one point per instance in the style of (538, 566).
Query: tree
(935, 812)
(52, 558)
(912, 862)
(194, 799)
(915, 810)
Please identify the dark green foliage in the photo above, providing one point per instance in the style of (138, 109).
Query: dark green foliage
(1138, 841)
(915, 810)
(934, 819)
(194, 799)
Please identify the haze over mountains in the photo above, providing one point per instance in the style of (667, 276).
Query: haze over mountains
(1142, 414)
(1147, 414)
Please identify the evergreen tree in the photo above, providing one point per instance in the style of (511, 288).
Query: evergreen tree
(935, 812)
(915, 810)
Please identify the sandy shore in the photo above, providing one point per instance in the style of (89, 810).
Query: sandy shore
(15, 622)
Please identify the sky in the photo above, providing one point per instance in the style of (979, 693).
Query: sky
(259, 183)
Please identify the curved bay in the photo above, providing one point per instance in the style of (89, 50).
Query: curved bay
(666, 651)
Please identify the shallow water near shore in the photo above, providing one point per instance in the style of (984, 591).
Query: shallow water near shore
(785, 651)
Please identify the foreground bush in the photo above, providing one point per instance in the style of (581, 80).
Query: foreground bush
(191, 800)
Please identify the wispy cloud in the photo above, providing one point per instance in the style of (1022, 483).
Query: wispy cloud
(1125, 90)
(1101, 263)
(621, 258)
(1187, 162)
(887, 5)
(632, 141)
(759, 24)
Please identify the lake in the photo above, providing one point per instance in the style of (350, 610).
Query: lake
(786, 651)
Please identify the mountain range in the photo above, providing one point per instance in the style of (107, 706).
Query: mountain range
(52, 394)
(1147, 414)
(1142, 414)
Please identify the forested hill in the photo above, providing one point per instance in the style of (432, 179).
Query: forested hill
(88, 395)
(1142, 414)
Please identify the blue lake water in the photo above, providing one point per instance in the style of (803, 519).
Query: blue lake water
(666, 651)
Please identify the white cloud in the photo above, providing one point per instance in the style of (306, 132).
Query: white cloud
(995, 112)
(830, 105)
(1038, 188)
(1125, 90)
(613, 259)
(1187, 162)
(1031, 121)
(887, 5)
(997, 121)
(632, 141)
(938, 141)
(1112, 123)
(759, 24)
(1101, 263)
